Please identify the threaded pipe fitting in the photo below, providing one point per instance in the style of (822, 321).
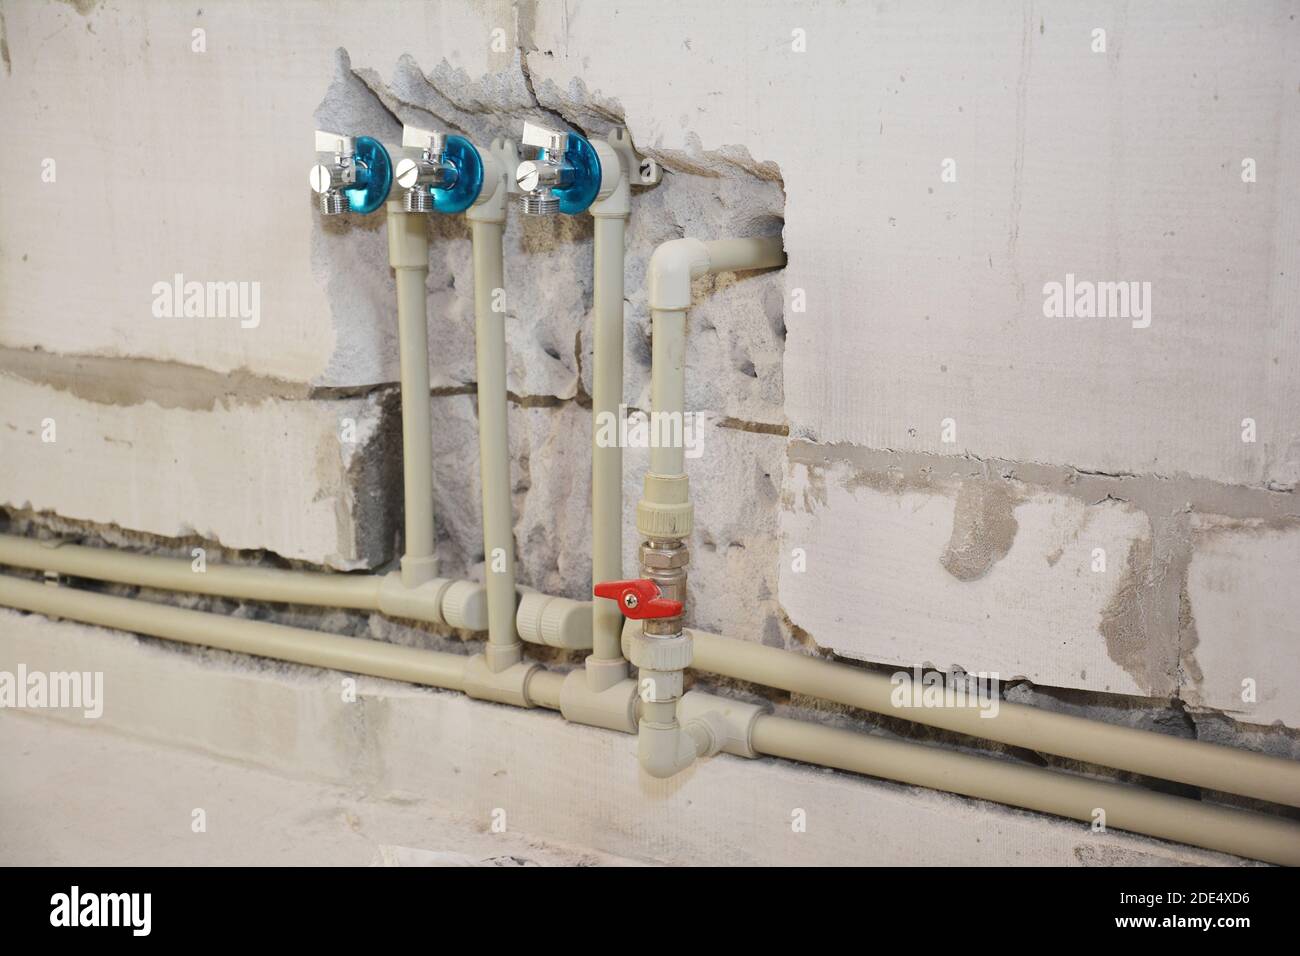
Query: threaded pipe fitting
(539, 204)
(418, 199)
(333, 202)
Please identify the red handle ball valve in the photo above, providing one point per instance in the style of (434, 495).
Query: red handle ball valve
(638, 599)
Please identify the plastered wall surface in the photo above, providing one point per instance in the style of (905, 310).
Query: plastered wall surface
(903, 461)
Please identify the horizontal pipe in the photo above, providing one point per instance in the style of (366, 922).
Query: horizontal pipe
(739, 255)
(1125, 807)
(260, 638)
(356, 591)
(543, 688)
(459, 603)
(1195, 762)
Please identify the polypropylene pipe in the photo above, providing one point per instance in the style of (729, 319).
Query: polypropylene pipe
(607, 457)
(1194, 762)
(735, 255)
(440, 601)
(356, 591)
(543, 688)
(668, 390)
(1126, 808)
(672, 267)
(260, 638)
(408, 253)
(494, 446)
(1130, 808)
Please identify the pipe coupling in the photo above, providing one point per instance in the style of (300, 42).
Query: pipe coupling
(665, 512)
(650, 653)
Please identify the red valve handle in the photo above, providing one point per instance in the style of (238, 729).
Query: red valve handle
(638, 598)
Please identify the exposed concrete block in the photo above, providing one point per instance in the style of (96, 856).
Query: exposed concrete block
(304, 479)
(553, 498)
(982, 573)
(924, 297)
(472, 761)
(551, 482)
(735, 485)
(1242, 619)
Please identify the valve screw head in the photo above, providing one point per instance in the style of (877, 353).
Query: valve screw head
(630, 601)
(321, 178)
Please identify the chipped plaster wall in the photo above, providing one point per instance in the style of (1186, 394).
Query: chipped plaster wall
(919, 302)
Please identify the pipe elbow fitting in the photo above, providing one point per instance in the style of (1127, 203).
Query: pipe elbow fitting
(672, 267)
(664, 750)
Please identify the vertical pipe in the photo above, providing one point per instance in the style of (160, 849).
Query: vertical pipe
(408, 253)
(494, 446)
(668, 392)
(607, 461)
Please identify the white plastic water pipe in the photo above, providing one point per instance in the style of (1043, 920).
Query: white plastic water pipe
(664, 512)
(1194, 762)
(1125, 807)
(460, 604)
(607, 457)
(605, 666)
(487, 220)
(408, 254)
(260, 638)
(665, 518)
(716, 724)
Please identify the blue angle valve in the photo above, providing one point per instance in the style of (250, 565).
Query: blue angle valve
(563, 177)
(447, 177)
(357, 176)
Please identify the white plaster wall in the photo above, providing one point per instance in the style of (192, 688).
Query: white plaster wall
(874, 585)
(924, 297)
(1242, 651)
(169, 161)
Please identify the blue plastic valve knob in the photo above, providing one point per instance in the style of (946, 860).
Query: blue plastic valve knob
(583, 176)
(374, 176)
(461, 155)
